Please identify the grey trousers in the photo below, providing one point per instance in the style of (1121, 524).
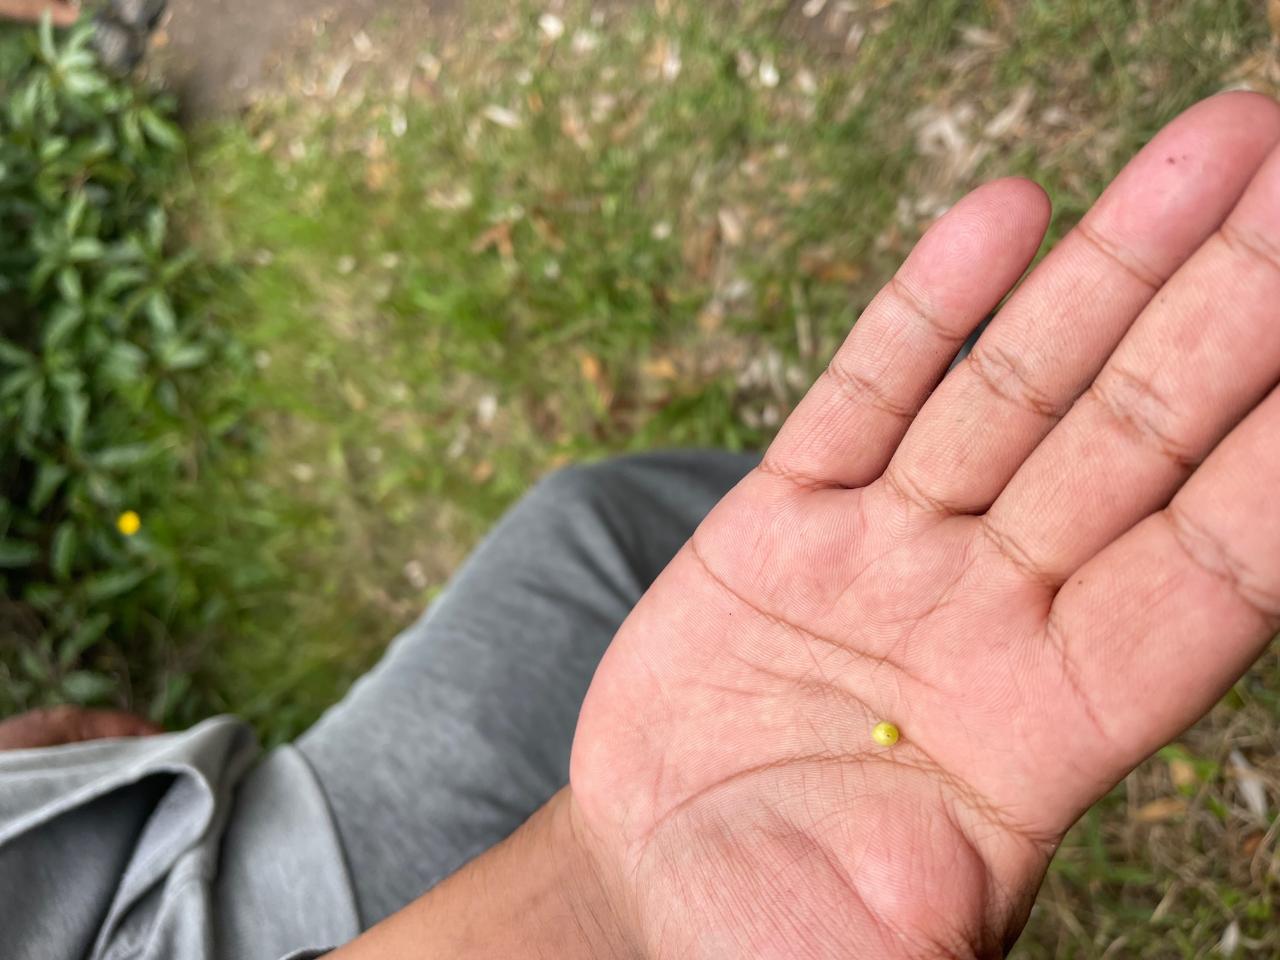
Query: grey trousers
(464, 728)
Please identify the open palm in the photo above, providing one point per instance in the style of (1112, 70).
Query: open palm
(1040, 570)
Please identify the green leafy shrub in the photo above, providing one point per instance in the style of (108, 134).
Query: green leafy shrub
(106, 345)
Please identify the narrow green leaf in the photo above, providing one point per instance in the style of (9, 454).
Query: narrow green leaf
(160, 131)
(33, 665)
(175, 688)
(75, 212)
(18, 381)
(33, 407)
(15, 355)
(123, 362)
(81, 83)
(157, 227)
(62, 551)
(113, 583)
(17, 553)
(186, 356)
(75, 59)
(81, 639)
(53, 148)
(178, 265)
(49, 477)
(131, 131)
(63, 321)
(44, 597)
(118, 279)
(125, 455)
(85, 687)
(45, 32)
(69, 284)
(75, 410)
(160, 310)
(85, 248)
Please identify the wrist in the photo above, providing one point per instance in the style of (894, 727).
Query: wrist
(586, 915)
(538, 894)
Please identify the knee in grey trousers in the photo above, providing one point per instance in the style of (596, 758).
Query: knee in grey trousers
(464, 728)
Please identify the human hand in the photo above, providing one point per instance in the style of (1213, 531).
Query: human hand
(1040, 572)
(62, 13)
(56, 726)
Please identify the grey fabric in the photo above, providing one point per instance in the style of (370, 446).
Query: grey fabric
(189, 846)
(118, 849)
(464, 728)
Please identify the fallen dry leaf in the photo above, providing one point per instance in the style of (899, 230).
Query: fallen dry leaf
(482, 471)
(711, 317)
(1249, 782)
(731, 228)
(377, 173)
(546, 232)
(454, 198)
(552, 27)
(1230, 941)
(1182, 773)
(1249, 846)
(589, 367)
(699, 251)
(593, 372)
(496, 237)
(1009, 119)
(660, 368)
(1158, 811)
(572, 127)
(764, 228)
(501, 116)
(822, 266)
(796, 190)
(670, 62)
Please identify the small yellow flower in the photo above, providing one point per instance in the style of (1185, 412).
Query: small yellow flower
(129, 523)
(885, 733)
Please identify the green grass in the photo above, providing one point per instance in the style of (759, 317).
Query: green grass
(489, 254)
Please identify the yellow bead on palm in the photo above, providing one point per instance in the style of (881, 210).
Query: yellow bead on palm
(885, 733)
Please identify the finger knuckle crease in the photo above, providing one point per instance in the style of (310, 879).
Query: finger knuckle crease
(1251, 244)
(1208, 553)
(1125, 261)
(1017, 556)
(1134, 405)
(770, 466)
(1004, 376)
(861, 388)
(909, 491)
(927, 314)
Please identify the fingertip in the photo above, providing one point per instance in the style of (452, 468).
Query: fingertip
(1010, 208)
(1030, 193)
(1247, 106)
(999, 224)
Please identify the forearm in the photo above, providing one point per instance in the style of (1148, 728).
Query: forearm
(537, 894)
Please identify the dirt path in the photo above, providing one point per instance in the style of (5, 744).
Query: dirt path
(216, 53)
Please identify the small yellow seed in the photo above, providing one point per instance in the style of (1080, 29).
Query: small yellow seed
(885, 733)
(129, 523)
